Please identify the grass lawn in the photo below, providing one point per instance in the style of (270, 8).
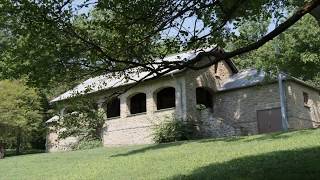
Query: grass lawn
(294, 155)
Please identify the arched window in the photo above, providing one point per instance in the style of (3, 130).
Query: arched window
(113, 108)
(166, 98)
(138, 103)
(204, 97)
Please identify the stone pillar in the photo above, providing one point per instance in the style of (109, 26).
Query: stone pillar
(179, 104)
(124, 110)
(180, 99)
(150, 105)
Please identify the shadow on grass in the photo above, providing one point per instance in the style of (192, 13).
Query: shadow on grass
(280, 135)
(11, 153)
(262, 137)
(150, 148)
(271, 136)
(291, 164)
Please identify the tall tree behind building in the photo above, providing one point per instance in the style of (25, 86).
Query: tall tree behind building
(295, 52)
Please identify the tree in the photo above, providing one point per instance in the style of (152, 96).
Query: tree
(20, 112)
(82, 119)
(54, 40)
(295, 52)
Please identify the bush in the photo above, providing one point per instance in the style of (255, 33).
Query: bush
(82, 119)
(172, 130)
(87, 144)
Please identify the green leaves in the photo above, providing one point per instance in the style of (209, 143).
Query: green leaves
(49, 41)
(20, 110)
(19, 105)
(82, 119)
(172, 129)
(296, 51)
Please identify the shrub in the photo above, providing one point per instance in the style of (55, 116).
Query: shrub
(171, 130)
(83, 120)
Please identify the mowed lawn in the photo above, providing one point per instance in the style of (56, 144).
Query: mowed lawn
(293, 155)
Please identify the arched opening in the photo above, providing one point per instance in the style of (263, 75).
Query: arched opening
(138, 103)
(113, 108)
(166, 98)
(204, 97)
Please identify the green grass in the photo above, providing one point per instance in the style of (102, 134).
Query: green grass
(294, 155)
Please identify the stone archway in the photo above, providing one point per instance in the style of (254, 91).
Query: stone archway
(204, 97)
(112, 107)
(137, 103)
(165, 98)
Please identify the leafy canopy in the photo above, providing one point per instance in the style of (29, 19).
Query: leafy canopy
(20, 109)
(295, 52)
(67, 40)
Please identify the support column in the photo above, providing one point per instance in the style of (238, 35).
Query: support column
(181, 99)
(124, 110)
(150, 105)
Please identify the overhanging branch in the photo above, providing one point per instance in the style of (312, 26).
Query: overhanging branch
(307, 8)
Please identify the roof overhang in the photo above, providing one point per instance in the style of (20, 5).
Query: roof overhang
(105, 83)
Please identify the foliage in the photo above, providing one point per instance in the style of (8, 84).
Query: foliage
(87, 144)
(20, 105)
(295, 52)
(293, 155)
(83, 119)
(171, 130)
(20, 113)
(69, 40)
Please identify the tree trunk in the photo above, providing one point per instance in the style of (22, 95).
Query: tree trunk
(18, 141)
(1, 150)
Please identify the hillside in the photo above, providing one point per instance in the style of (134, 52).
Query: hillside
(294, 155)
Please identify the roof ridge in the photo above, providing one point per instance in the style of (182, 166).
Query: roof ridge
(190, 50)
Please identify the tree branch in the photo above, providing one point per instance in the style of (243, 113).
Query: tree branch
(308, 7)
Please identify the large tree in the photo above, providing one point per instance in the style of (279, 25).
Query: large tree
(66, 40)
(295, 52)
(20, 112)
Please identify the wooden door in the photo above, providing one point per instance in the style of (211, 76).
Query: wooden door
(269, 120)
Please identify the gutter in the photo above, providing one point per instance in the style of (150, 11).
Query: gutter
(283, 103)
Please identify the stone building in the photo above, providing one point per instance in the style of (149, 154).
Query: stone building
(222, 100)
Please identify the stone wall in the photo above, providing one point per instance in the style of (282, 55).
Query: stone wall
(234, 112)
(209, 78)
(239, 107)
(54, 144)
(210, 126)
(137, 128)
(301, 115)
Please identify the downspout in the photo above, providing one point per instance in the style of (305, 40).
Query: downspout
(283, 103)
